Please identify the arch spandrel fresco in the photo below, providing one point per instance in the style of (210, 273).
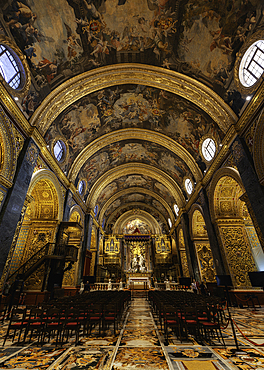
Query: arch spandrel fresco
(138, 151)
(135, 198)
(116, 214)
(68, 37)
(126, 182)
(129, 106)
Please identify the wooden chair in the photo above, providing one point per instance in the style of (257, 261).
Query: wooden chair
(17, 322)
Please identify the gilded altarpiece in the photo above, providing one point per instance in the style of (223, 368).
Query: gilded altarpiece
(40, 233)
(238, 253)
(183, 256)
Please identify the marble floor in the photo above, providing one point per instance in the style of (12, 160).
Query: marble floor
(139, 344)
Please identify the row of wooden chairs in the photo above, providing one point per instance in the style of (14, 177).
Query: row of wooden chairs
(65, 317)
(186, 314)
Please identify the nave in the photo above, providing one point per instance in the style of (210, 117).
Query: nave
(140, 343)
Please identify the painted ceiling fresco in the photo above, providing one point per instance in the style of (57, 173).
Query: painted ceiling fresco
(136, 198)
(129, 106)
(163, 225)
(135, 225)
(68, 37)
(133, 151)
(128, 181)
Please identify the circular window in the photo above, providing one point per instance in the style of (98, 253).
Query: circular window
(11, 69)
(188, 186)
(208, 149)
(81, 187)
(176, 209)
(252, 64)
(59, 150)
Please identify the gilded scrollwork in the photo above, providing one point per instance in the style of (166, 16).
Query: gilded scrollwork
(104, 77)
(139, 169)
(238, 253)
(206, 261)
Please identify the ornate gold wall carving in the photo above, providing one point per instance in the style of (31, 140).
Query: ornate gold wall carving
(94, 80)
(112, 245)
(238, 253)
(206, 261)
(183, 256)
(162, 244)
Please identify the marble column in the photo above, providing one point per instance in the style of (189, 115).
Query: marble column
(15, 199)
(215, 248)
(190, 248)
(67, 205)
(254, 190)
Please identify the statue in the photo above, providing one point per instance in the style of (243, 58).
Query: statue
(109, 286)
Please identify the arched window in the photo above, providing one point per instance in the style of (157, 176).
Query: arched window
(189, 186)
(9, 68)
(59, 150)
(208, 149)
(252, 64)
(176, 209)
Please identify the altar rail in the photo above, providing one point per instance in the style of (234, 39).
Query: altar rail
(104, 286)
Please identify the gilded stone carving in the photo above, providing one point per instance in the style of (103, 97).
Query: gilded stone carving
(238, 253)
(104, 77)
(32, 154)
(139, 169)
(238, 151)
(162, 244)
(206, 262)
(133, 133)
(183, 255)
(112, 245)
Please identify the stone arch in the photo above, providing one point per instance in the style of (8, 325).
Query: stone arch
(130, 215)
(230, 215)
(226, 171)
(101, 78)
(49, 177)
(202, 245)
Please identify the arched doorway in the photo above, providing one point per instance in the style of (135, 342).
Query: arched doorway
(202, 247)
(235, 229)
(44, 210)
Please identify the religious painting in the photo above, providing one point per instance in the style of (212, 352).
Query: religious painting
(132, 106)
(136, 225)
(66, 37)
(135, 181)
(137, 151)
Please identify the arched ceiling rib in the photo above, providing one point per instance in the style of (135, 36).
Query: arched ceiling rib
(130, 215)
(134, 190)
(135, 207)
(134, 133)
(77, 87)
(132, 168)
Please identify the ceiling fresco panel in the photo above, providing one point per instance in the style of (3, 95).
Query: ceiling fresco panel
(130, 106)
(133, 151)
(67, 37)
(128, 181)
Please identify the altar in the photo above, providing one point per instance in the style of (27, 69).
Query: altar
(138, 281)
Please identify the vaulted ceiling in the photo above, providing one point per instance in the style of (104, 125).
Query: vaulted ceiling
(132, 88)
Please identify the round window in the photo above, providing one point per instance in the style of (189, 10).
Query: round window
(188, 186)
(176, 209)
(10, 69)
(252, 64)
(59, 150)
(208, 149)
(81, 187)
